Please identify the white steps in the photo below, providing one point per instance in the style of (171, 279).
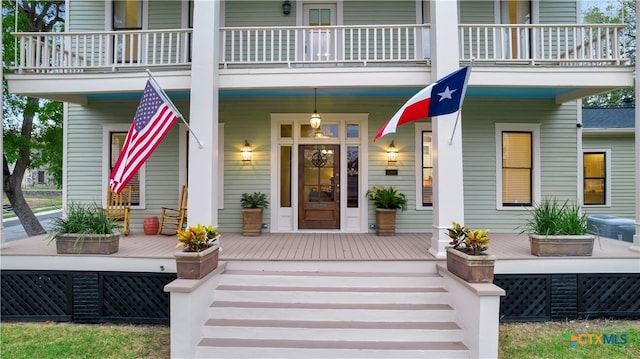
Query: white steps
(272, 314)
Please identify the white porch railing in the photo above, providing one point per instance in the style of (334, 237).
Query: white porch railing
(564, 45)
(558, 45)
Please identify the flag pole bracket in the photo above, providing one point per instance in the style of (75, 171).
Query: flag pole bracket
(166, 98)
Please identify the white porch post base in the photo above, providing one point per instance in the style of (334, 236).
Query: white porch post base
(439, 242)
(636, 241)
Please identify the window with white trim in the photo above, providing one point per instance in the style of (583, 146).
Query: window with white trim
(113, 140)
(517, 157)
(424, 166)
(595, 177)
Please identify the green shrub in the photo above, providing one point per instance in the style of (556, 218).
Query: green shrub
(387, 197)
(254, 200)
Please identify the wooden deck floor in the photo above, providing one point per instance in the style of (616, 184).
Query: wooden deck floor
(315, 247)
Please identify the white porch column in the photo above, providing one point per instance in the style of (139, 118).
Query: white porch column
(203, 162)
(636, 238)
(448, 196)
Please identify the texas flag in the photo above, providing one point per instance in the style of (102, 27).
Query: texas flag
(440, 98)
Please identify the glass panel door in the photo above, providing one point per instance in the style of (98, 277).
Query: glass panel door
(319, 43)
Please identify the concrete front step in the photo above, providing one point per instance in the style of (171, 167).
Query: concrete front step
(342, 279)
(331, 312)
(354, 314)
(319, 349)
(421, 266)
(333, 330)
(331, 295)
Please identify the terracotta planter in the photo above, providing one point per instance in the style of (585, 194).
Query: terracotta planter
(251, 221)
(473, 269)
(386, 222)
(88, 244)
(195, 265)
(559, 246)
(150, 225)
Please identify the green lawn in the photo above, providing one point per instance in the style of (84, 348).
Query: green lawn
(61, 340)
(517, 340)
(547, 339)
(39, 203)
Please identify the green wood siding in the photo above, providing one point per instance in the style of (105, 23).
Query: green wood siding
(477, 12)
(86, 16)
(558, 12)
(85, 153)
(165, 14)
(379, 12)
(622, 176)
(258, 13)
(557, 151)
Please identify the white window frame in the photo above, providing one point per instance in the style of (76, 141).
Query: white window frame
(607, 189)
(106, 142)
(419, 128)
(534, 128)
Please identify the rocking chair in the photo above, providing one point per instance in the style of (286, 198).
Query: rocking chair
(174, 218)
(118, 207)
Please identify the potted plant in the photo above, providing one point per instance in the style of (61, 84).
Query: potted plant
(252, 206)
(387, 201)
(85, 229)
(466, 257)
(200, 250)
(558, 229)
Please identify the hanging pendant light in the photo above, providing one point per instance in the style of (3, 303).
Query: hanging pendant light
(315, 119)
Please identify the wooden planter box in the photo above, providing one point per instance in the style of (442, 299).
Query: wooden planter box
(195, 265)
(473, 269)
(386, 222)
(559, 246)
(251, 221)
(88, 244)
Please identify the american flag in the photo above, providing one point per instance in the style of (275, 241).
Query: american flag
(152, 122)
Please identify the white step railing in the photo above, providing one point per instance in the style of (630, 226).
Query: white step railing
(565, 45)
(559, 45)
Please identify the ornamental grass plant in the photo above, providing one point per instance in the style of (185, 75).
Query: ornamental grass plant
(551, 217)
(83, 219)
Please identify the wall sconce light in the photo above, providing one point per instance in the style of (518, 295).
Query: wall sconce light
(315, 119)
(392, 153)
(286, 7)
(245, 152)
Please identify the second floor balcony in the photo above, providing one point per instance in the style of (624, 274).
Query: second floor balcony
(564, 45)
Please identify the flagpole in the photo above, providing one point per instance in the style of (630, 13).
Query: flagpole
(173, 107)
(455, 125)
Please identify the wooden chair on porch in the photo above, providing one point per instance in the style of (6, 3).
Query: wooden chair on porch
(173, 219)
(118, 207)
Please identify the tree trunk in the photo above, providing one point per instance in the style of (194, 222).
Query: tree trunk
(13, 180)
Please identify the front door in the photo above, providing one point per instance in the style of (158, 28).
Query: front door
(318, 187)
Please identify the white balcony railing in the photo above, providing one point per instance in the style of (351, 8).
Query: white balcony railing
(558, 45)
(565, 45)
(57, 52)
(323, 45)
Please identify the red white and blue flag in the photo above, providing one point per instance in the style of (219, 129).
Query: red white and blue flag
(440, 98)
(154, 118)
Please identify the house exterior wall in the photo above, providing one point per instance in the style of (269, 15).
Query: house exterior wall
(623, 173)
(247, 118)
